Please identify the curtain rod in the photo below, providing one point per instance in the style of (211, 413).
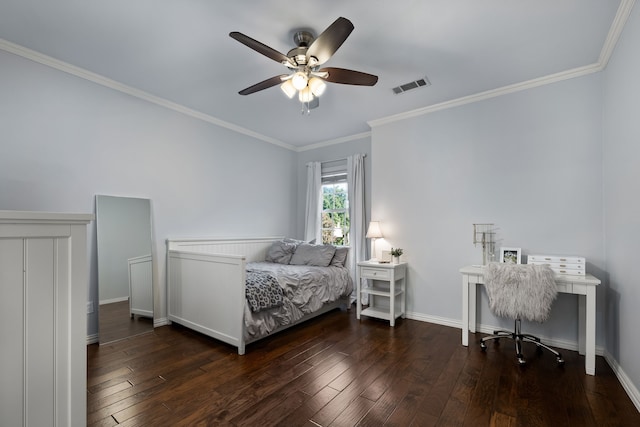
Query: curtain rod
(334, 160)
(337, 160)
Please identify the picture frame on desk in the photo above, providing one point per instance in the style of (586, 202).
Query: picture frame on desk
(510, 255)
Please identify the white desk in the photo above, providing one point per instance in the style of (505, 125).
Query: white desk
(583, 286)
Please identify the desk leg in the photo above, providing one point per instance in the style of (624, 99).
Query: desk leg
(403, 297)
(358, 296)
(392, 301)
(473, 289)
(582, 323)
(590, 331)
(465, 310)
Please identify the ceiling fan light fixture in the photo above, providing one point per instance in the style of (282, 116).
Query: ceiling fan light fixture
(305, 95)
(288, 89)
(299, 80)
(317, 86)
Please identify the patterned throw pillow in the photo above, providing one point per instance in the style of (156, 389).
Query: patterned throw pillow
(263, 291)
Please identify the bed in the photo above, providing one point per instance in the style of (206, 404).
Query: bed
(208, 281)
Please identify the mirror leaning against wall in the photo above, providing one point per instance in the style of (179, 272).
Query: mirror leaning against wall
(125, 267)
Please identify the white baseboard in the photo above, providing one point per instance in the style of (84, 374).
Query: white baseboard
(453, 323)
(92, 339)
(488, 329)
(160, 322)
(628, 386)
(112, 300)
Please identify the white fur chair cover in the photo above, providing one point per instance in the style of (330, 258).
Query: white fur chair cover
(524, 291)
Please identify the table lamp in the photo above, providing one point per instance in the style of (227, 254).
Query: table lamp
(373, 233)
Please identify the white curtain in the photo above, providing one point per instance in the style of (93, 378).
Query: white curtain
(355, 181)
(313, 218)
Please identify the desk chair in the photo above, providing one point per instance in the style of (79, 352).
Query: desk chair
(520, 291)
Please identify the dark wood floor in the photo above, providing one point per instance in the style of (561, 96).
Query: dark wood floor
(116, 323)
(338, 371)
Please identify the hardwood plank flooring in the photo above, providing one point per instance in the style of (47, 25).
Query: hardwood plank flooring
(116, 323)
(337, 371)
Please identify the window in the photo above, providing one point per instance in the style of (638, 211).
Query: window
(335, 210)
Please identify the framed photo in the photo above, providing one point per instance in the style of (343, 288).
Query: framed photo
(510, 255)
(386, 257)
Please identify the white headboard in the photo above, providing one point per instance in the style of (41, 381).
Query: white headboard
(253, 249)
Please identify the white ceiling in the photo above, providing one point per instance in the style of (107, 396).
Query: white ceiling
(180, 51)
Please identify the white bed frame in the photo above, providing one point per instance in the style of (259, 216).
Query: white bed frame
(206, 286)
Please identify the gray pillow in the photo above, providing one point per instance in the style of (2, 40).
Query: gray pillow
(280, 252)
(297, 242)
(340, 257)
(316, 255)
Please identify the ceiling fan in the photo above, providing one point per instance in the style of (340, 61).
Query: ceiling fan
(306, 78)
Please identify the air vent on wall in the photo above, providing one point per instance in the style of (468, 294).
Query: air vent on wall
(424, 82)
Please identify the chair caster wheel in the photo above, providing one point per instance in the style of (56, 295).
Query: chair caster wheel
(560, 361)
(521, 360)
(483, 346)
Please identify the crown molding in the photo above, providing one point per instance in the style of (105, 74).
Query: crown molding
(624, 10)
(493, 93)
(115, 85)
(340, 140)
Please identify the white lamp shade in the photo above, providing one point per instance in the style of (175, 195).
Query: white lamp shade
(305, 95)
(374, 232)
(317, 86)
(299, 80)
(288, 89)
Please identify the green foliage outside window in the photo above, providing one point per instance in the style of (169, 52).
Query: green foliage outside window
(335, 214)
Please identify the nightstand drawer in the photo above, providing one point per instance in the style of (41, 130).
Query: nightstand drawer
(375, 273)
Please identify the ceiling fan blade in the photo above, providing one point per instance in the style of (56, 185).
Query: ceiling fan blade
(327, 43)
(349, 77)
(261, 48)
(266, 84)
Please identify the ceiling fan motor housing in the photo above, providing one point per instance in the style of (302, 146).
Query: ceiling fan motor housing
(303, 40)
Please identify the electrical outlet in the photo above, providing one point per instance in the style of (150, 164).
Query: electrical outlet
(89, 307)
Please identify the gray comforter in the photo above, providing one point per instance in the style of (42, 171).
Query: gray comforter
(305, 289)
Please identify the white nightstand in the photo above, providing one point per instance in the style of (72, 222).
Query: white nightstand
(393, 291)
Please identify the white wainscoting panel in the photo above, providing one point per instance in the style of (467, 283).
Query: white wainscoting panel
(43, 322)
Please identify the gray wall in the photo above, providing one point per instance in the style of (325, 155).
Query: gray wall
(65, 139)
(621, 205)
(530, 162)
